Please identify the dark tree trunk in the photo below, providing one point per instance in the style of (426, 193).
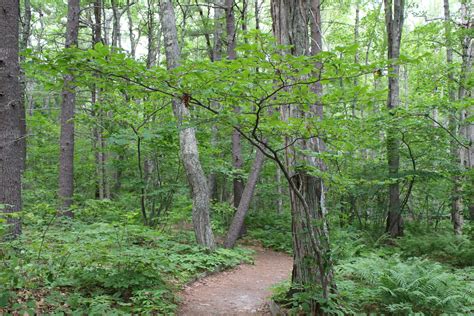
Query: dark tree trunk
(25, 38)
(293, 20)
(11, 146)
(187, 136)
(394, 17)
(66, 159)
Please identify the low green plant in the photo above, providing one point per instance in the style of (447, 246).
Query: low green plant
(101, 268)
(442, 246)
(393, 286)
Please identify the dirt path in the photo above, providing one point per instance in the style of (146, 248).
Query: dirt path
(240, 291)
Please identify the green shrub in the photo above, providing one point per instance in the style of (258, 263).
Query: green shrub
(444, 247)
(271, 229)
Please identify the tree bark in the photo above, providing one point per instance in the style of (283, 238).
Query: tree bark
(11, 150)
(237, 160)
(312, 267)
(394, 16)
(25, 38)
(187, 136)
(66, 160)
(464, 92)
(116, 31)
(235, 228)
(456, 195)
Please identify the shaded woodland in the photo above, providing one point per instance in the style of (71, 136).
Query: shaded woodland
(145, 142)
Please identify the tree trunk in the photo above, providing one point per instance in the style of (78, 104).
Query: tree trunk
(11, 150)
(238, 220)
(116, 33)
(131, 34)
(25, 38)
(466, 71)
(394, 17)
(187, 136)
(66, 160)
(279, 206)
(237, 160)
(312, 263)
(456, 197)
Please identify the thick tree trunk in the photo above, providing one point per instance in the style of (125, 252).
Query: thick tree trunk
(394, 17)
(25, 38)
(187, 136)
(312, 267)
(66, 159)
(11, 147)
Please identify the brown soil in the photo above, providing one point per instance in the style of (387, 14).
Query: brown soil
(240, 291)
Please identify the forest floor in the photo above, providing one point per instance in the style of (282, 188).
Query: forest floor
(243, 290)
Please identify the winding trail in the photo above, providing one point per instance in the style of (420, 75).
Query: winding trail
(240, 291)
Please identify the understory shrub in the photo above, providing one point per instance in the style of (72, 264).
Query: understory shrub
(442, 246)
(101, 268)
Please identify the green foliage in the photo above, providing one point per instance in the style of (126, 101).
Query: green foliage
(97, 268)
(442, 246)
(271, 229)
(390, 285)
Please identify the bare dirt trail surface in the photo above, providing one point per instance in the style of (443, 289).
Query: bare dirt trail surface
(243, 290)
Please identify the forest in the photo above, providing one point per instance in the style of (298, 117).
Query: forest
(236, 157)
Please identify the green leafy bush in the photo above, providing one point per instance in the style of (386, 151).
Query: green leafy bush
(271, 229)
(444, 247)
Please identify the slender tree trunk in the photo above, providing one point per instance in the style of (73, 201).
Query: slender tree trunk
(279, 205)
(116, 32)
(238, 220)
(237, 160)
(11, 146)
(394, 17)
(131, 32)
(66, 160)
(466, 72)
(242, 193)
(151, 38)
(187, 136)
(456, 197)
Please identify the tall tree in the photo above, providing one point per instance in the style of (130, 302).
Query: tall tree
(66, 160)
(237, 160)
(394, 17)
(24, 40)
(187, 135)
(456, 199)
(293, 21)
(243, 193)
(11, 151)
(466, 90)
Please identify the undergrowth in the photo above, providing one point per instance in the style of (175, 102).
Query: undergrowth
(112, 268)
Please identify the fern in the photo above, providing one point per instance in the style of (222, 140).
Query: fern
(405, 287)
